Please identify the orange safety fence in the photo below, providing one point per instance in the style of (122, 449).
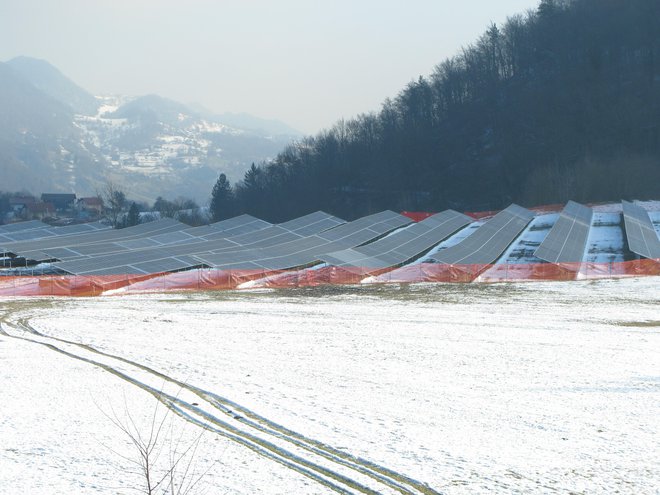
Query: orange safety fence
(66, 285)
(329, 275)
(429, 272)
(216, 279)
(198, 280)
(418, 216)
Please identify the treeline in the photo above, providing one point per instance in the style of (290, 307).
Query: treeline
(562, 102)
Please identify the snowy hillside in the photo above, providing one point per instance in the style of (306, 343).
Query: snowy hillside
(57, 137)
(155, 147)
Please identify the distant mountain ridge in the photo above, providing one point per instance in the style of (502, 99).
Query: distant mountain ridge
(51, 81)
(55, 136)
(151, 107)
(40, 146)
(249, 122)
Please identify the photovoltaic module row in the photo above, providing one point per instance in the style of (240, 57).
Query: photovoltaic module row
(402, 245)
(642, 237)
(42, 245)
(46, 230)
(226, 228)
(567, 240)
(178, 256)
(308, 250)
(22, 226)
(379, 241)
(489, 241)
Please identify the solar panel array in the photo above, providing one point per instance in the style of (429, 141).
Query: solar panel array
(403, 245)
(308, 249)
(227, 228)
(20, 226)
(30, 249)
(489, 241)
(237, 225)
(642, 237)
(567, 240)
(382, 240)
(42, 230)
(178, 255)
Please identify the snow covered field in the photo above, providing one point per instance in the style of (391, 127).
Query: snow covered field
(478, 388)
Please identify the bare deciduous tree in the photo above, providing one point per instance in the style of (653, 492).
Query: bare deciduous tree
(163, 458)
(114, 200)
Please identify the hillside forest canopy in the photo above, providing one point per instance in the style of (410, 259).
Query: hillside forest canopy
(560, 103)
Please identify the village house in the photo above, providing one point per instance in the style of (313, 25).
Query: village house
(93, 205)
(62, 201)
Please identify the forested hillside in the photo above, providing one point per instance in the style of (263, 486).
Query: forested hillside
(561, 102)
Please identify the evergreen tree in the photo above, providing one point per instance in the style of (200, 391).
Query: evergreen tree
(133, 217)
(251, 179)
(547, 8)
(222, 196)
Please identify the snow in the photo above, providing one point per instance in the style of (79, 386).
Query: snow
(522, 249)
(451, 241)
(605, 242)
(189, 143)
(503, 388)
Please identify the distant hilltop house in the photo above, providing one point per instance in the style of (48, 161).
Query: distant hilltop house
(92, 205)
(20, 204)
(41, 210)
(30, 207)
(62, 201)
(50, 207)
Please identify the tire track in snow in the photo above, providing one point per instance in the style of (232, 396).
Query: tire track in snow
(199, 417)
(246, 427)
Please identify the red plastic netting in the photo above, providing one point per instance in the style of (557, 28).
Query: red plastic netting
(214, 280)
(66, 285)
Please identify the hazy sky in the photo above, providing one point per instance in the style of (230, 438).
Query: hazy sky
(306, 62)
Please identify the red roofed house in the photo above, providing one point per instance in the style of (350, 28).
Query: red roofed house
(92, 205)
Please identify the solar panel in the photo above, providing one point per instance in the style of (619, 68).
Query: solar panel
(246, 228)
(128, 245)
(26, 235)
(78, 228)
(312, 224)
(78, 241)
(36, 230)
(22, 226)
(52, 254)
(403, 245)
(642, 237)
(240, 235)
(233, 226)
(567, 240)
(168, 238)
(166, 255)
(233, 222)
(226, 225)
(489, 241)
(41, 233)
(167, 264)
(307, 250)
